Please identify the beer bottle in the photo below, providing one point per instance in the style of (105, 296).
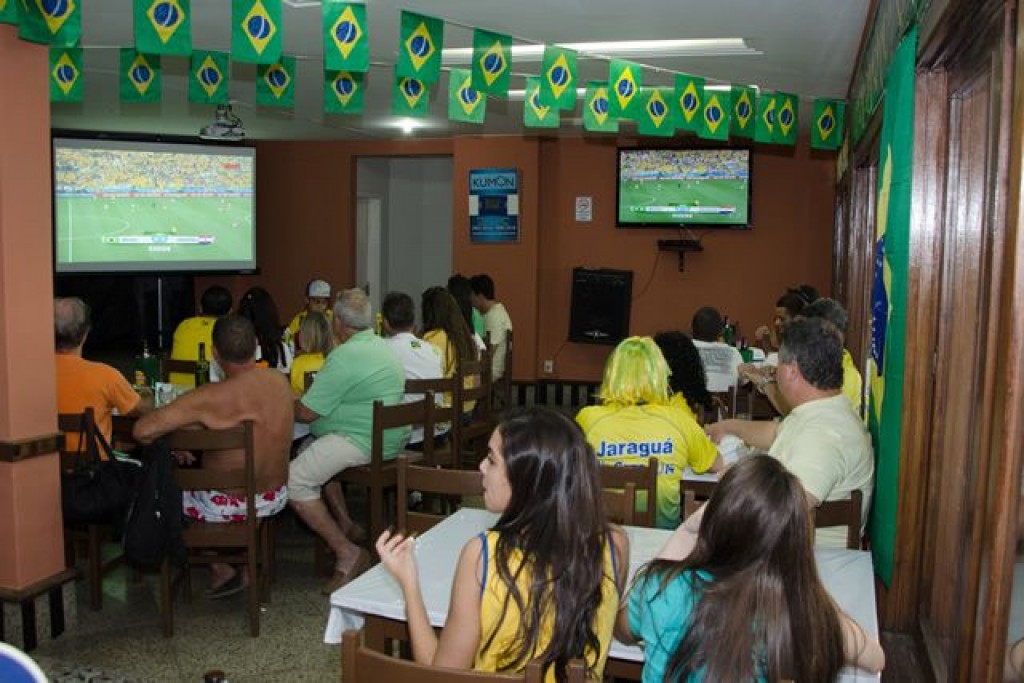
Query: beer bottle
(202, 366)
(729, 332)
(145, 367)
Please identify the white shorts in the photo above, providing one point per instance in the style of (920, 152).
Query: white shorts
(320, 460)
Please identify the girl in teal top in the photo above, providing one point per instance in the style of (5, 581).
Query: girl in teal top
(747, 603)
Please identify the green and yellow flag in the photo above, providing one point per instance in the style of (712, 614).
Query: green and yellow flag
(744, 97)
(346, 41)
(9, 12)
(208, 79)
(57, 23)
(786, 125)
(655, 118)
(410, 97)
(558, 77)
(828, 124)
(465, 103)
(492, 62)
(714, 124)
(163, 27)
(624, 82)
(275, 83)
(65, 74)
(536, 114)
(596, 116)
(140, 76)
(255, 31)
(343, 92)
(419, 51)
(689, 102)
(764, 122)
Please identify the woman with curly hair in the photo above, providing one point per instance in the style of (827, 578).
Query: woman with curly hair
(687, 380)
(544, 581)
(636, 421)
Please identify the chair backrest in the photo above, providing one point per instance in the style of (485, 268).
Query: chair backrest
(173, 365)
(443, 416)
(431, 480)
(503, 385)
(693, 494)
(480, 424)
(400, 415)
(363, 665)
(81, 425)
(842, 513)
(620, 504)
(643, 478)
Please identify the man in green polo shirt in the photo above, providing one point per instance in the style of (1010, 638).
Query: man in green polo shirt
(339, 405)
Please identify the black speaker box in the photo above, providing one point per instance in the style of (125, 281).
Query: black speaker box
(599, 311)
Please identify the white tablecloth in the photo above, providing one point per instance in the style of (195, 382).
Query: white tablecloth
(847, 574)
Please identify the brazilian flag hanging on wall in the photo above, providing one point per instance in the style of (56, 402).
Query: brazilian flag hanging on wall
(492, 62)
(654, 116)
(828, 123)
(410, 97)
(163, 27)
(256, 31)
(558, 77)
(9, 11)
(764, 122)
(57, 23)
(597, 117)
(624, 82)
(537, 114)
(465, 103)
(343, 92)
(346, 41)
(275, 83)
(715, 117)
(689, 102)
(744, 99)
(786, 122)
(65, 74)
(140, 76)
(208, 78)
(419, 49)
(889, 298)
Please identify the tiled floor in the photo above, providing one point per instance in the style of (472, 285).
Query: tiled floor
(124, 639)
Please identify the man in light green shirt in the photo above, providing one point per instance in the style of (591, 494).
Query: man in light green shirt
(339, 405)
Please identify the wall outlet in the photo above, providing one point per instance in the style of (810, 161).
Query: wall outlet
(549, 366)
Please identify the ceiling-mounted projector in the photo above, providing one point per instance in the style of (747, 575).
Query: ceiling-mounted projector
(227, 127)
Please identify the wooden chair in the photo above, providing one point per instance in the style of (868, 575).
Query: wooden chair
(502, 396)
(380, 474)
(362, 665)
(249, 540)
(693, 494)
(443, 452)
(644, 479)
(91, 535)
(620, 504)
(431, 480)
(842, 513)
(471, 434)
(172, 365)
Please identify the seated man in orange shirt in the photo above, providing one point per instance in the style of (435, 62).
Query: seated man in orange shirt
(84, 384)
(252, 393)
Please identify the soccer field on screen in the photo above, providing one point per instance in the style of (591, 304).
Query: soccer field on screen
(93, 230)
(674, 202)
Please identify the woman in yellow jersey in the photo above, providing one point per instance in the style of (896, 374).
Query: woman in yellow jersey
(687, 379)
(446, 330)
(636, 421)
(542, 478)
(315, 342)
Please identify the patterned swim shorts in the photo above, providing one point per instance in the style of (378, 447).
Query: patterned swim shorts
(216, 506)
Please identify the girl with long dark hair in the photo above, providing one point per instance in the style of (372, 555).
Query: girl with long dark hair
(445, 328)
(747, 602)
(687, 378)
(258, 306)
(544, 582)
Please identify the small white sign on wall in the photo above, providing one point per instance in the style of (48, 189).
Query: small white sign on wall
(584, 209)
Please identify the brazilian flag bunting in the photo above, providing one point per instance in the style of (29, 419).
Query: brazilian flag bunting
(275, 83)
(163, 27)
(57, 23)
(715, 118)
(65, 74)
(419, 50)
(596, 117)
(689, 102)
(465, 103)
(140, 76)
(536, 114)
(410, 97)
(786, 126)
(828, 124)
(492, 62)
(655, 118)
(343, 92)
(744, 97)
(346, 42)
(624, 82)
(208, 78)
(558, 77)
(764, 128)
(256, 31)
(9, 12)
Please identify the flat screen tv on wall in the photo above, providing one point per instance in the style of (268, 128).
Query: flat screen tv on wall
(140, 206)
(664, 188)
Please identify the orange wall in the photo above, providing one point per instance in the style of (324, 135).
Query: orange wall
(306, 206)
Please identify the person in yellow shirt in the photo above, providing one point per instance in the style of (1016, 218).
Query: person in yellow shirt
(446, 330)
(316, 342)
(318, 300)
(637, 421)
(191, 332)
(832, 311)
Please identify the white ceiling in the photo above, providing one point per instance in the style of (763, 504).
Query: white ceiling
(808, 47)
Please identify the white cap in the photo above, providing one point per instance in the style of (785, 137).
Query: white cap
(318, 289)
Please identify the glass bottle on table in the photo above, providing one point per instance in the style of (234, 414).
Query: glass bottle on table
(729, 332)
(146, 367)
(202, 367)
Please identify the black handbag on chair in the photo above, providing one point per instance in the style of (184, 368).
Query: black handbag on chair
(98, 490)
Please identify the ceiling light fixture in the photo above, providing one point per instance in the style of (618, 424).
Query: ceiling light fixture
(702, 47)
(582, 92)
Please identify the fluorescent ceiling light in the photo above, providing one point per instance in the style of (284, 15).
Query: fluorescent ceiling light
(703, 47)
(582, 92)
